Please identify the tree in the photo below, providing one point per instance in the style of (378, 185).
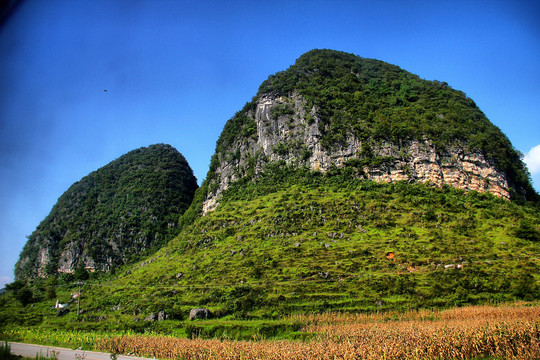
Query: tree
(50, 287)
(25, 296)
(80, 272)
(15, 286)
(527, 231)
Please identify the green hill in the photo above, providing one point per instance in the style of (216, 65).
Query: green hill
(113, 216)
(280, 235)
(346, 184)
(302, 242)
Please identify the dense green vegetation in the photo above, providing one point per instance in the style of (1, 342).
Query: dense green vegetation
(299, 242)
(376, 101)
(289, 240)
(114, 215)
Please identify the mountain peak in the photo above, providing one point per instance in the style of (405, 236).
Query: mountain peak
(334, 109)
(112, 216)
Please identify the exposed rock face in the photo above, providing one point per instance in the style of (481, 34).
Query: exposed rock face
(160, 316)
(288, 132)
(199, 313)
(151, 317)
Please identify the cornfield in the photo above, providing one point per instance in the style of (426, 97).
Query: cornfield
(86, 340)
(509, 332)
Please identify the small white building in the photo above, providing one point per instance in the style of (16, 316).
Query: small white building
(60, 306)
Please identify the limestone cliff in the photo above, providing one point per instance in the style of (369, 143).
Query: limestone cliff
(333, 109)
(293, 140)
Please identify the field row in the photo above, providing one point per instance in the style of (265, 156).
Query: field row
(509, 332)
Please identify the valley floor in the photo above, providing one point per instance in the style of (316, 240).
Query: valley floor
(510, 331)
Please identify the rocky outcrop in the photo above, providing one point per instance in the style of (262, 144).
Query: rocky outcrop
(456, 167)
(160, 316)
(199, 313)
(289, 132)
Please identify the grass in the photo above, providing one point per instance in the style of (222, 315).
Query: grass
(320, 248)
(314, 244)
(510, 331)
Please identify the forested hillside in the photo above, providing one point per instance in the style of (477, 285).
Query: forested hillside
(113, 216)
(346, 184)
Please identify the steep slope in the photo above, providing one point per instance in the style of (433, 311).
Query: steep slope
(293, 221)
(346, 184)
(112, 216)
(335, 109)
(295, 242)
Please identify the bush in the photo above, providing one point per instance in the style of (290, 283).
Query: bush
(5, 352)
(527, 231)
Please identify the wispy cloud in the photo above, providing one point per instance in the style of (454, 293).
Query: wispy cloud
(532, 159)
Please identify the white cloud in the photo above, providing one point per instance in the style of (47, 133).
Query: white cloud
(532, 159)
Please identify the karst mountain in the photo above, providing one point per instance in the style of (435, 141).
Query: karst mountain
(344, 184)
(113, 216)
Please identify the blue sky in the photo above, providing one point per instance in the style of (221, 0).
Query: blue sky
(176, 71)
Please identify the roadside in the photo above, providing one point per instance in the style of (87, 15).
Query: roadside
(30, 350)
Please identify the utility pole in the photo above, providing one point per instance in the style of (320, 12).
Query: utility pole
(79, 298)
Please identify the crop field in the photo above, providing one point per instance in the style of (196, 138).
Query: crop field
(475, 332)
(61, 338)
(466, 333)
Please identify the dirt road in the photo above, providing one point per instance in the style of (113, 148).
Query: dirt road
(30, 350)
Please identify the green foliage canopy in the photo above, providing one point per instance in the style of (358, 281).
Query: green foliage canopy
(115, 215)
(377, 101)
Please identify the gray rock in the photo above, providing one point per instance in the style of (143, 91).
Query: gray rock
(162, 316)
(151, 317)
(199, 313)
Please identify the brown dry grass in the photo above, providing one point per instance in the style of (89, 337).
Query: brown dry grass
(508, 332)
